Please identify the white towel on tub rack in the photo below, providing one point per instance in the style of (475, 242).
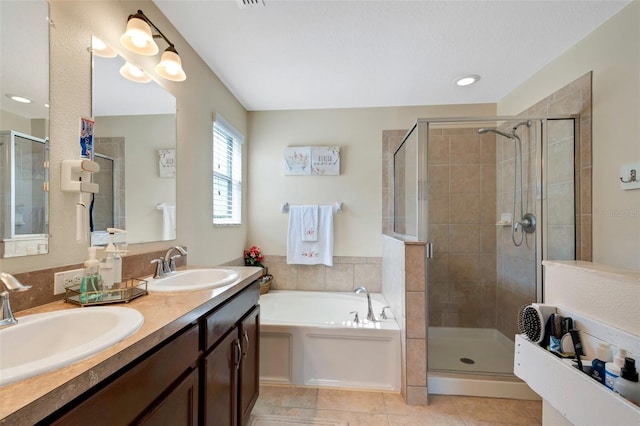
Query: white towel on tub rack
(309, 223)
(310, 252)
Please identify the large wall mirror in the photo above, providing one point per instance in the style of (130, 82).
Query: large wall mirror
(135, 145)
(24, 128)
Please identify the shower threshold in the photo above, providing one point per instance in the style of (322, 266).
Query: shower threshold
(474, 362)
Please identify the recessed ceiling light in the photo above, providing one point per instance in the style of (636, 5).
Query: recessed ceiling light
(467, 80)
(20, 99)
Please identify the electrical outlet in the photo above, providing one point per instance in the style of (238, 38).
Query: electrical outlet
(65, 279)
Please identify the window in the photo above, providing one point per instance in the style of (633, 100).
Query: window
(227, 173)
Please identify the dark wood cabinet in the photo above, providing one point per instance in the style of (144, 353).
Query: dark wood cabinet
(249, 380)
(178, 408)
(162, 379)
(206, 374)
(221, 382)
(230, 365)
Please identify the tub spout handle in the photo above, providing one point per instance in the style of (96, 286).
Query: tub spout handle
(383, 314)
(356, 320)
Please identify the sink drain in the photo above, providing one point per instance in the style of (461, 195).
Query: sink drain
(467, 360)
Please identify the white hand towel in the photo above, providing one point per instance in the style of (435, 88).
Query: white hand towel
(168, 222)
(310, 223)
(310, 252)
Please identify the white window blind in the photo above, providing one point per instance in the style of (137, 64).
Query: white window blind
(227, 173)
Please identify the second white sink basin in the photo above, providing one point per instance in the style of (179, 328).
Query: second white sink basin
(193, 279)
(45, 342)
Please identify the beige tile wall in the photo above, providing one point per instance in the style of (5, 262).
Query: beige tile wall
(346, 274)
(516, 266)
(462, 217)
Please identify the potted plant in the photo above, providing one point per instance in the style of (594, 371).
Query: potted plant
(253, 257)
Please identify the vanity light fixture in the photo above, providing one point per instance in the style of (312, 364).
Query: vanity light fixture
(133, 73)
(467, 80)
(139, 38)
(100, 48)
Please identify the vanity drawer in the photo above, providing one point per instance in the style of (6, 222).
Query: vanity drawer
(132, 394)
(223, 319)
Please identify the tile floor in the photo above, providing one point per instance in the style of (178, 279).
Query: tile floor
(388, 409)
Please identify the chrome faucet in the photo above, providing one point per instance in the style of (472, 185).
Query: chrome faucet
(169, 261)
(159, 272)
(370, 316)
(11, 284)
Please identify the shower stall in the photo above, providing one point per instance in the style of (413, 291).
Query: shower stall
(492, 197)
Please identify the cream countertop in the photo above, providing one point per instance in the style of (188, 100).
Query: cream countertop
(30, 400)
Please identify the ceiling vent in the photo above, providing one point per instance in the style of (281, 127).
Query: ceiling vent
(244, 4)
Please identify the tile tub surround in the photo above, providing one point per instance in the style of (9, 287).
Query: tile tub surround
(387, 409)
(30, 400)
(346, 274)
(41, 282)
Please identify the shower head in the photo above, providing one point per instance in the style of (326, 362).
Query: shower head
(527, 123)
(483, 131)
(506, 135)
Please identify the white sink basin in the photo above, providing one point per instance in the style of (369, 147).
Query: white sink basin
(192, 279)
(45, 342)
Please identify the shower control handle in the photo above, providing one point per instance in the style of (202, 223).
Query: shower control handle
(356, 320)
(528, 223)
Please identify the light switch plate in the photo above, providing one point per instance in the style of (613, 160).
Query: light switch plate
(66, 279)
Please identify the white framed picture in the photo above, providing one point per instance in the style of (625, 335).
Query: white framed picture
(312, 160)
(325, 160)
(297, 160)
(167, 163)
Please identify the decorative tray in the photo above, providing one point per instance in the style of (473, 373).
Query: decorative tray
(128, 290)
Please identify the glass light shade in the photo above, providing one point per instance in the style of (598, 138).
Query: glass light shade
(133, 73)
(138, 38)
(170, 66)
(99, 48)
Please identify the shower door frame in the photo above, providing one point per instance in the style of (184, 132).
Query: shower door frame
(422, 129)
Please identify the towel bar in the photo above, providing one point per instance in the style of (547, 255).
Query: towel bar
(337, 207)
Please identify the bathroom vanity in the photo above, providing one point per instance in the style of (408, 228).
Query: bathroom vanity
(194, 361)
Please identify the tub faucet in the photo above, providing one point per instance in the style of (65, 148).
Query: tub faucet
(370, 316)
(169, 261)
(10, 284)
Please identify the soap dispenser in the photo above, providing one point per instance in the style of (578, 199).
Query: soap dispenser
(612, 368)
(91, 282)
(114, 253)
(627, 384)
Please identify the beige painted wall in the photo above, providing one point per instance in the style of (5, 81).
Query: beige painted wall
(358, 132)
(612, 52)
(197, 98)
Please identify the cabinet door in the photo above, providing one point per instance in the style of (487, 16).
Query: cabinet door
(249, 366)
(221, 382)
(179, 407)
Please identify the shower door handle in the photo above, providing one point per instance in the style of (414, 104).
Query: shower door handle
(429, 250)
